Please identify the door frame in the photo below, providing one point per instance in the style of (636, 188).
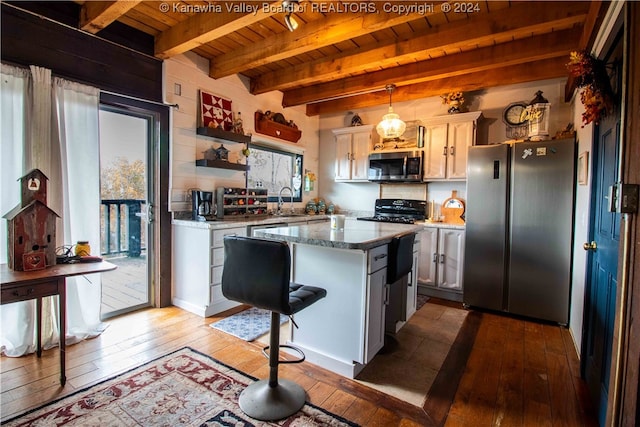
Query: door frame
(623, 403)
(622, 406)
(159, 161)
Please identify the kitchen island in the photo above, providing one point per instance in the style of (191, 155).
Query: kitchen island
(344, 330)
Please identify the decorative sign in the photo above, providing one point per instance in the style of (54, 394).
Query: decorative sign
(215, 111)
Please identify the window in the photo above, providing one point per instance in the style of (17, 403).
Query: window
(273, 169)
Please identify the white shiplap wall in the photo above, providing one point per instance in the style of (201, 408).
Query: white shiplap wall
(190, 71)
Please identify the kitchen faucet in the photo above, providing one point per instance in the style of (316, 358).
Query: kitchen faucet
(279, 210)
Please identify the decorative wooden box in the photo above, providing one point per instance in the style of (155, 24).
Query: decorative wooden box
(275, 129)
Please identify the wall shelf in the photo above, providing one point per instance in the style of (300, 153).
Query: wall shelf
(223, 134)
(221, 164)
(277, 130)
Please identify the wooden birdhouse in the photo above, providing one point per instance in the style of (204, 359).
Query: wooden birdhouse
(32, 226)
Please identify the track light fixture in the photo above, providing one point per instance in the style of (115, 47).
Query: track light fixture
(291, 22)
(289, 6)
(391, 126)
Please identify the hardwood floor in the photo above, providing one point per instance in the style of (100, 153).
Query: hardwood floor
(501, 371)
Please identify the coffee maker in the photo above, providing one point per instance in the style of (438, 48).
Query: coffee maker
(202, 205)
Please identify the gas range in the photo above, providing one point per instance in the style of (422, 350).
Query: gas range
(399, 211)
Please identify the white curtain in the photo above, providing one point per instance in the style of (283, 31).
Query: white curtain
(78, 152)
(38, 133)
(17, 329)
(65, 147)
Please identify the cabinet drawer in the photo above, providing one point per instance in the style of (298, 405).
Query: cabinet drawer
(218, 235)
(377, 258)
(217, 257)
(216, 275)
(22, 293)
(216, 294)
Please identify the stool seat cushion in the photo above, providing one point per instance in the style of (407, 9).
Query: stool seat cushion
(301, 296)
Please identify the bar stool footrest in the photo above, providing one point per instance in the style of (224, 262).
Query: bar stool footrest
(282, 361)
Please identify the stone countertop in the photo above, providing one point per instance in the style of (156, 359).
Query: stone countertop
(232, 223)
(291, 220)
(361, 235)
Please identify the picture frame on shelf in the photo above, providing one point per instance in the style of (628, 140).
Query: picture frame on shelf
(583, 168)
(215, 111)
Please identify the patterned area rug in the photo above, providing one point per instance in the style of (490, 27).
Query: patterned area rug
(248, 324)
(184, 388)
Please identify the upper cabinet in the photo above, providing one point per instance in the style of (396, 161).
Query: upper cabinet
(352, 152)
(447, 139)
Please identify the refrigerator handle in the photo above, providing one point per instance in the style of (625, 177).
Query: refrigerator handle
(496, 169)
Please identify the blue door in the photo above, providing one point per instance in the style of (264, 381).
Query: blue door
(602, 264)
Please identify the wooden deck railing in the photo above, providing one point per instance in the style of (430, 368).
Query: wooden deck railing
(122, 231)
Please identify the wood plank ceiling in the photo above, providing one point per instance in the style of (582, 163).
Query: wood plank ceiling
(343, 54)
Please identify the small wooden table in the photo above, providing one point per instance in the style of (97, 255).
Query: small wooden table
(27, 285)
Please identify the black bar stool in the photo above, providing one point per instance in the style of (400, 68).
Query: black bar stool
(256, 272)
(398, 267)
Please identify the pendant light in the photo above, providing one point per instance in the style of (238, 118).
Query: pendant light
(391, 127)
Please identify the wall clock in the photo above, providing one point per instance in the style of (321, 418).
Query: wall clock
(514, 115)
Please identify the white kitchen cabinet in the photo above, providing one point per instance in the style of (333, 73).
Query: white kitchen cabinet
(198, 258)
(441, 262)
(377, 299)
(447, 139)
(343, 331)
(352, 153)
(412, 291)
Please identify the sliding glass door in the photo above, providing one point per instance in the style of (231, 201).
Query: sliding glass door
(126, 180)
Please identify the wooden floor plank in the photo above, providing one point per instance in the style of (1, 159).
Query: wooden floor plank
(509, 405)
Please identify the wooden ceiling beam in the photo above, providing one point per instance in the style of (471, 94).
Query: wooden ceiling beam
(527, 72)
(96, 15)
(311, 36)
(518, 21)
(203, 28)
(551, 45)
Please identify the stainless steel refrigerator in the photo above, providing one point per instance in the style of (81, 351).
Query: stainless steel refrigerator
(519, 228)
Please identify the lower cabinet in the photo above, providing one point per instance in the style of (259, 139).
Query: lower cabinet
(343, 331)
(441, 262)
(377, 299)
(412, 291)
(198, 259)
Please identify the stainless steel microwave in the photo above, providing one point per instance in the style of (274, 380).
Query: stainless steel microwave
(401, 166)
